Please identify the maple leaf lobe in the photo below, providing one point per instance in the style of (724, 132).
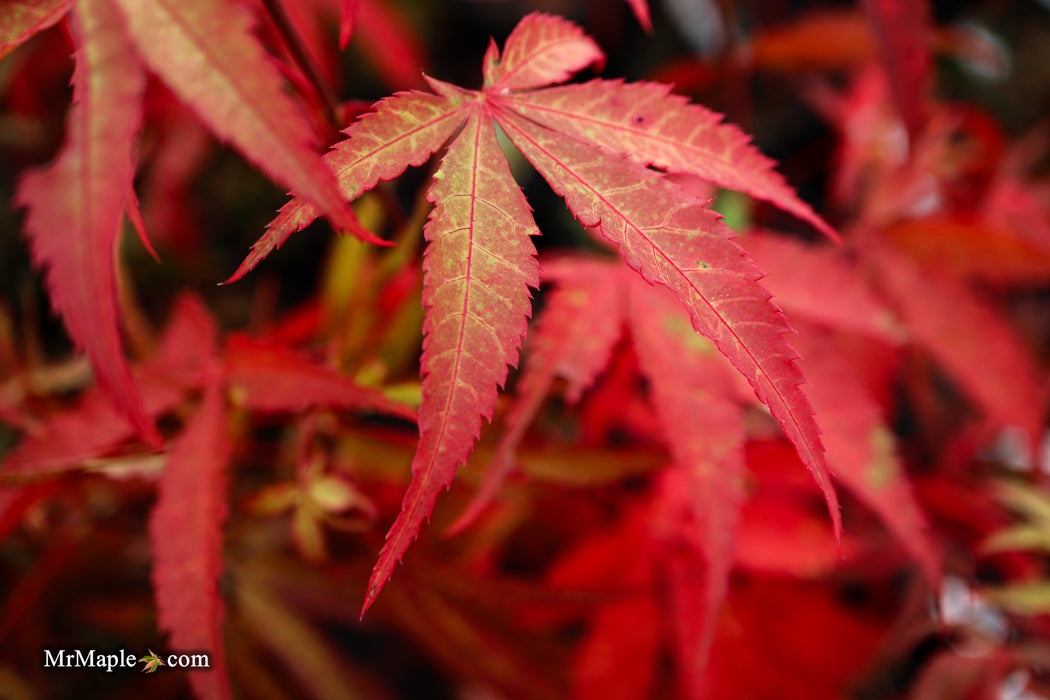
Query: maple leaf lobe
(541, 50)
(75, 205)
(652, 126)
(479, 265)
(185, 532)
(404, 130)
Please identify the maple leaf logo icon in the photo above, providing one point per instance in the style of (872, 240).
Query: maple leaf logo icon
(152, 661)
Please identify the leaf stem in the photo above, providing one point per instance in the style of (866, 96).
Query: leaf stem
(297, 48)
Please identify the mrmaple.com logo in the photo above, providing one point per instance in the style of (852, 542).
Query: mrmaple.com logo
(123, 659)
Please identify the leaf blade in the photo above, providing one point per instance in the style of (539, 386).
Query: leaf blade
(269, 377)
(541, 50)
(75, 205)
(348, 11)
(185, 531)
(640, 8)
(652, 126)
(477, 303)
(420, 124)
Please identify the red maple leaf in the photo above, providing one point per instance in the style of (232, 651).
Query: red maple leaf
(480, 261)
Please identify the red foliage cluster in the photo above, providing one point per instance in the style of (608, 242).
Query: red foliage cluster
(638, 521)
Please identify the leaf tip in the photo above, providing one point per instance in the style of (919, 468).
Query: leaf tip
(348, 16)
(640, 8)
(384, 569)
(247, 266)
(370, 597)
(134, 213)
(825, 228)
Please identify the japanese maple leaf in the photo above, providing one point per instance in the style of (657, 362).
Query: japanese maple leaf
(75, 206)
(594, 144)
(186, 539)
(152, 662)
